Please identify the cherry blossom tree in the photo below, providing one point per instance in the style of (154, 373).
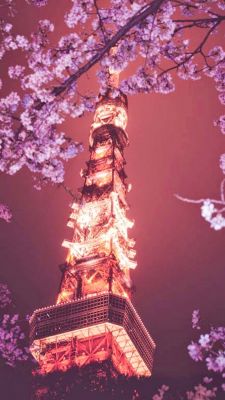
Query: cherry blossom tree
(162, 39)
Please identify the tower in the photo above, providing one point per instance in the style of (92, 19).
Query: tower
(93, 319)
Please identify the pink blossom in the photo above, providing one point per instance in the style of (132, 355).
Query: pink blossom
(161, 392)
(26, 120)
(6, 27)
(216, 363)
(189, 70)
(217, 53)
(5, 295)
(11, 102)
(221, 123)
(5, 213)
(46, 26)
(165, 84)
(195, 351)
(22, 42)
(220, 360)
(15, 71)
(217, 222)
(207, 210)
(207, 380)
(201, 393)
(210, 349)
(12, 347)
(221, 5)
(195, 319)
(222, 98)
(204, 340)
(78, 12)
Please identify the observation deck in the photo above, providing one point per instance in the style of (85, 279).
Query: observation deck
(93, 328)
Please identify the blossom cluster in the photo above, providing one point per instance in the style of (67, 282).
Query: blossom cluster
(5, 213)
(12, 337)
(5, 295)
(201, 392)
(213, 214)
(161, 393)
(196, 319)
(210, 349)
(29, 135)
(212, 210)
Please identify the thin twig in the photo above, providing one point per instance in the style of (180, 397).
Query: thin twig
(199, 201)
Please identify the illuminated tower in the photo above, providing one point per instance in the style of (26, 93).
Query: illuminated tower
(93, 319)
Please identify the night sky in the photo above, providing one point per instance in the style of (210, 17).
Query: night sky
(174, 148)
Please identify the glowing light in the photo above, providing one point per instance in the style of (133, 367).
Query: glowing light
(112, 237)
(100, 178)
(109, 113)
(92, 344)
(102, 151)
(63, 296)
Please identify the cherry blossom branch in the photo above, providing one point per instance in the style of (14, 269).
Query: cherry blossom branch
(69, 191)
(215, 216)
(198, 201)
(198, 21)
(101, 24)
(197, 50)
(136, 19)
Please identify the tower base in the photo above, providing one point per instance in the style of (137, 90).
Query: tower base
(91, 329)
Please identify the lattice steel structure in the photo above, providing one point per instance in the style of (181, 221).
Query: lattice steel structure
(93, 319)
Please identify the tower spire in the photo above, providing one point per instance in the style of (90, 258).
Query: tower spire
(114, 76)
(93, 319)
(99, 218)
